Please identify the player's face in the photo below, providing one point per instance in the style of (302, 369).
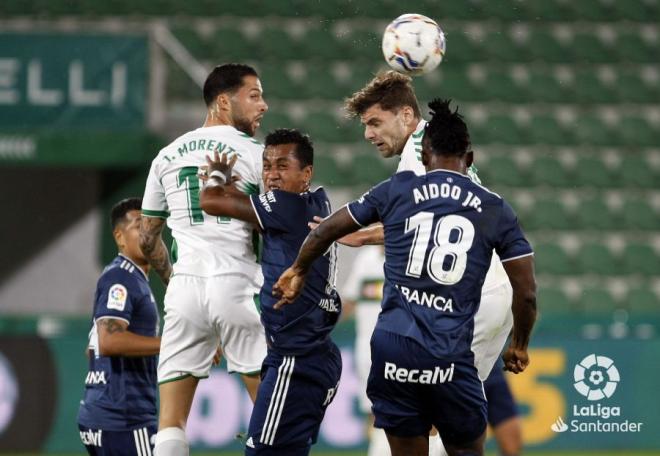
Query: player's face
(127, 236)
(385, 129)
(282, 169)
(248, 105)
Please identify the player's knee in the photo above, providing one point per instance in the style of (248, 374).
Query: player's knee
(171, 441)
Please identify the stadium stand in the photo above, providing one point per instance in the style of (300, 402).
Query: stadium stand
(542, 76)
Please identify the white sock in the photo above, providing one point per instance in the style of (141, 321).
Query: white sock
(171, 441)
(378, 444)
(436, 448)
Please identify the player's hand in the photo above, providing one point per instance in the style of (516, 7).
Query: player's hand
(222, 163)
(217, 357)
(350, 240)
(288, 287)
(516, 360)
(203, 173)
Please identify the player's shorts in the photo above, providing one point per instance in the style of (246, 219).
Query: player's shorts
(293, 396)
(138, 442)
(412, 390)
(492, 325)
(501, 405)
(202, 313)
(366, 316)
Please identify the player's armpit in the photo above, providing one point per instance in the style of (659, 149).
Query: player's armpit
(153, 247)
(116, 340)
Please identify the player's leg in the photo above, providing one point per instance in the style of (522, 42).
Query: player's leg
(460, 409)
(291, 402)
(492, 325)
(399, 405)
(366, 316)
(188, 345)
(472, 448)
(503, 413)
(408, 446)
(508, 435)
(233, 310)
(251, 382)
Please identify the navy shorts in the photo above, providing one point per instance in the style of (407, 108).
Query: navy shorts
(291, 401)
(501, 405)
(138, 442)
(411, 390)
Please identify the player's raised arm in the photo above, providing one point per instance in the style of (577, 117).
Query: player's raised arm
(291, 282)
(219, 197)
(371, 235)
(521, 276)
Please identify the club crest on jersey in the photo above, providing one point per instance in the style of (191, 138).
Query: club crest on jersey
(117, 297)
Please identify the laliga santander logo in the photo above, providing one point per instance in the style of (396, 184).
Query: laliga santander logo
(596, 377)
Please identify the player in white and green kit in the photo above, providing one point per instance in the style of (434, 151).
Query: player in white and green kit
(211, 285)
(388, 109)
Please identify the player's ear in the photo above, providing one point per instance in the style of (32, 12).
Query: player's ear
(469, 159)
(308, 172)
(223, 102)
(408, 114)
(118, 235)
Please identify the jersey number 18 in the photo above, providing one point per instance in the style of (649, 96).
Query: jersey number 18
(445, 246)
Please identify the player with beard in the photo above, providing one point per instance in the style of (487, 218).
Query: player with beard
(215, 276)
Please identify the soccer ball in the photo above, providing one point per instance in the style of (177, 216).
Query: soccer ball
(413, 44)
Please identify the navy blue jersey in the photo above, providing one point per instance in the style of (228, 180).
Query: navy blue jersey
(120, 392)
(305, 324)
(440, 232)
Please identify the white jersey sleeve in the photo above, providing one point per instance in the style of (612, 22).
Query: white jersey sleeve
(411, 157)
(154, 203)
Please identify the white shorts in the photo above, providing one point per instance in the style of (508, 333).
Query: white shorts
(202, 313)
(366, 316)
(492, 324)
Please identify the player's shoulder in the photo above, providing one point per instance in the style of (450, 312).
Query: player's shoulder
(120, 271)
(483, 190)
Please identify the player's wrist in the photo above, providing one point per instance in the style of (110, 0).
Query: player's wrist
(219, 175)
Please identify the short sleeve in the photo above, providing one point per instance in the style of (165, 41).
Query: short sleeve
(116, 295)
(510, 241)
(154, 203)
(367, 209)
(279, 210)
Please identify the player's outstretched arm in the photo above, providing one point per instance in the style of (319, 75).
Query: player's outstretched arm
(521, 276)
(153, 247)
(291, 282)
(219, 197)
(371, 235)
(116, 340)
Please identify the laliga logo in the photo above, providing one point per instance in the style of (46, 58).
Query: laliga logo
(596, 377)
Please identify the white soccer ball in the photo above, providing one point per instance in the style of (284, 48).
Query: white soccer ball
(413, 44)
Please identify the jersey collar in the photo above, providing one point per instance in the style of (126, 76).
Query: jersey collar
(136, 266)
(448, 171)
